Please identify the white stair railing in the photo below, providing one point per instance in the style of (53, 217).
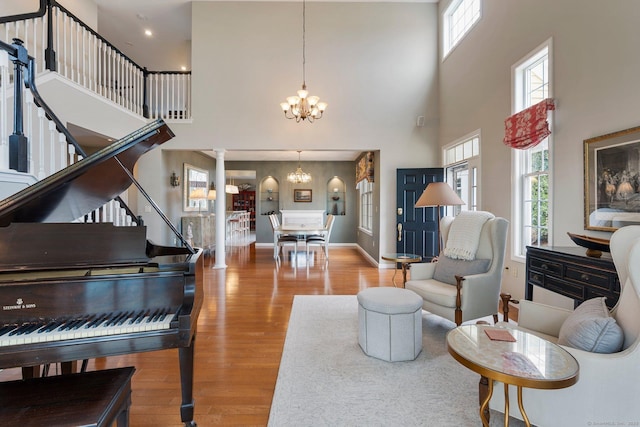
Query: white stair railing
(86, 58)
(48, 149)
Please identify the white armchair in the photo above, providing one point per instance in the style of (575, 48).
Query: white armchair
(474, 295)
(609, 384)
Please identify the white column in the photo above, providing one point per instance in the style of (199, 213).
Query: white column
(221, 211)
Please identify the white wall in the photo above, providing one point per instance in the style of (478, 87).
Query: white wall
(595, 81)
(374, 63)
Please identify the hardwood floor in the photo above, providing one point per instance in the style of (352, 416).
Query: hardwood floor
(241, 332)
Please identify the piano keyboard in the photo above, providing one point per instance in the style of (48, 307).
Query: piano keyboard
(86, 327)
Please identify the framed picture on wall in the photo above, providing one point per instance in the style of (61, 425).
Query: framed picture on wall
(611, 180)
(302, 195)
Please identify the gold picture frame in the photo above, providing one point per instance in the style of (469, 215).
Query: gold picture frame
(612, 180)
(302, 195)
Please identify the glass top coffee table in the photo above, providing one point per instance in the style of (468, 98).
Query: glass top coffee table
(529, 361)
(404, 259)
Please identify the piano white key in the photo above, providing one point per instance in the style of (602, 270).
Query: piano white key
(87, 332)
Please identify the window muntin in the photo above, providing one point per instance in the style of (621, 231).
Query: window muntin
(365, 193)
(459, 18)
(462, 159)
(532, 199)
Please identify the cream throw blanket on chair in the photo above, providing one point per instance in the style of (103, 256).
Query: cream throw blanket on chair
(464, 234)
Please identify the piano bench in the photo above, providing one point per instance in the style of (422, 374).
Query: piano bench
(97, 398)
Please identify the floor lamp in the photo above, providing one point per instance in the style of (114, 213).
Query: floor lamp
(438, 194)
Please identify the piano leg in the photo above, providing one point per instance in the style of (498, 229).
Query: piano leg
(186, 382)
(30, 372)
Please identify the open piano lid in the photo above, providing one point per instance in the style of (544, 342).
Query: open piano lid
(86, 185)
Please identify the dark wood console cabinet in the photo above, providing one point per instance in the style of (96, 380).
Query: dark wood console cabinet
(569, 272)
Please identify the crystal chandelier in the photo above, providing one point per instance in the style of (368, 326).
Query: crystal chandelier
(299, 176)
(303, 106)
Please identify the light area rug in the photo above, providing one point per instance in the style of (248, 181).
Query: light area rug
(325, 379)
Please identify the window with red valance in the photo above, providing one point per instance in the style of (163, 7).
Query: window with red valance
(528, 127)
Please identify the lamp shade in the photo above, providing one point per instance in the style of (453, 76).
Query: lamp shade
(211, 195)
(198, 194)
(231, 189)
(438, 194)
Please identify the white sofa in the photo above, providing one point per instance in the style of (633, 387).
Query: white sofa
(608, 387)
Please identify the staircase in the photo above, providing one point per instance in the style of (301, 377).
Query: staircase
(55, 70)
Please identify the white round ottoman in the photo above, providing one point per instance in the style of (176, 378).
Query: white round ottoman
(390, 323)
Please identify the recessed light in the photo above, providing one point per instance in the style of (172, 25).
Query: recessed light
(148, 33)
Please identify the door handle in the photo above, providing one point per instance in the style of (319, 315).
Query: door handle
(399, 232)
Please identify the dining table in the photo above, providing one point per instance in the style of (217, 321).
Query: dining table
(299, 230)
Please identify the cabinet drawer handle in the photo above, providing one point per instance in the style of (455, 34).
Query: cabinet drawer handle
(584, 277)
(544, 267)
(535, 277)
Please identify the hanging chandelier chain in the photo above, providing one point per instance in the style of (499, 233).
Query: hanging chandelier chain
(299, 176)
(303, 106)
(304, 42)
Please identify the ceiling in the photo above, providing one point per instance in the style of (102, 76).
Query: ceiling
(123, 24)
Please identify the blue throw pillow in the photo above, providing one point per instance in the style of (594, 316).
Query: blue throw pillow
(447, 268)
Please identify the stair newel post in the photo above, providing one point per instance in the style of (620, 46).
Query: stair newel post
(145, 93)
(49, 53)
(18, 141)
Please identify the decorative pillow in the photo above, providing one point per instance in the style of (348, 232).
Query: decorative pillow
(447, 268)
(591, 328)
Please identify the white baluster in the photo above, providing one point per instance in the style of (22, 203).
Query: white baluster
(41, 157)
(29, 132)
(173, 97)
(57, 37)
(109, 81)
(119, 80)
(4, 130)
(84, 55)
(189, 95)
(52, 147)
(71, 150)
(163, 110)
(99, 69)
(43, 42)
(111, 212)
(64, 45)
(154, 104)
(62, 141)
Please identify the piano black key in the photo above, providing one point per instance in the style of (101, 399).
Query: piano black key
(152, 317)
(80, 322)
(124, 318)
(95, 323)
(17, 330)
(138, 317)
(6, 329)
(115, 319)
(163, 314)
(49, 326)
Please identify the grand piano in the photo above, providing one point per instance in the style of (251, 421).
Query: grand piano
(75, 290)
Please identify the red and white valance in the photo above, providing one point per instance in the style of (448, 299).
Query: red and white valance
(365, 168)
(529, 127)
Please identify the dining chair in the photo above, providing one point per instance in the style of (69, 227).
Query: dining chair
(321, 239)
(280, 239)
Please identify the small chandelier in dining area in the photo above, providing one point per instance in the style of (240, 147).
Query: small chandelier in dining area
(299, 176)
(303, 106)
